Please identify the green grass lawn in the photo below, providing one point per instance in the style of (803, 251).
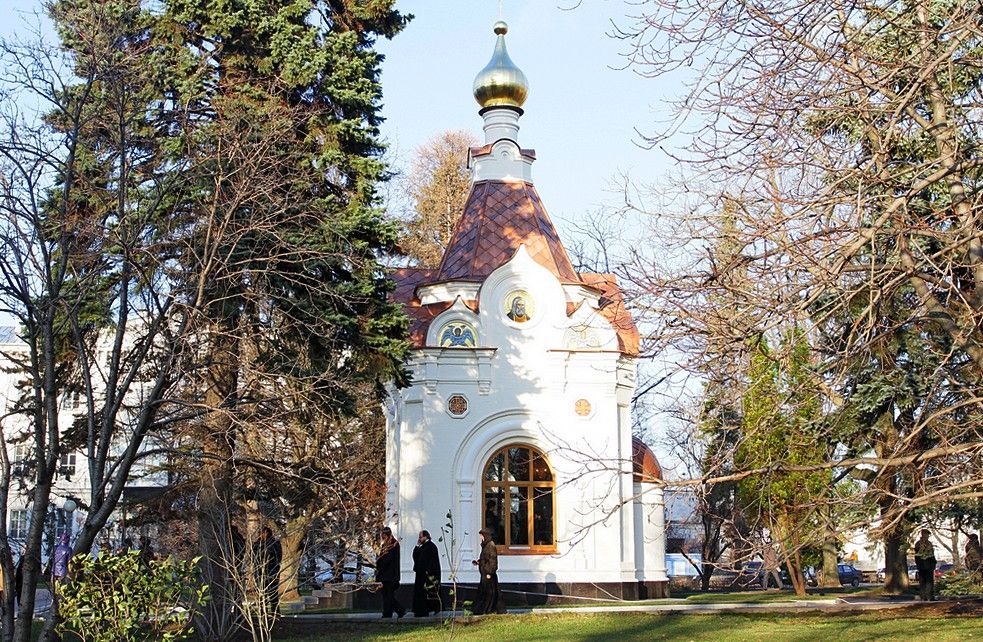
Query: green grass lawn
(629, 627)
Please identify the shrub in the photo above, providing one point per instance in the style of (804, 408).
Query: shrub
(119, 597)
(959, 584)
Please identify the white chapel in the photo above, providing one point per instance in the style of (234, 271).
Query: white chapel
(518, 416)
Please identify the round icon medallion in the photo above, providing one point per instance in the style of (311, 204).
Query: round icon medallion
(519, 306)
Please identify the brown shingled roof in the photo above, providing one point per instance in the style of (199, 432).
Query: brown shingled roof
(644, 465)
(613, 309)
(499, 195)
(499, 217)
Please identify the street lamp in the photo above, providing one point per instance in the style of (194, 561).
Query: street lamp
(68, 507)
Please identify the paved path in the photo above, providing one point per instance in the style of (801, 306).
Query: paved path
(669, 606)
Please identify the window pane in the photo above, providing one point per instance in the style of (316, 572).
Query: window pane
(542, 516)
(18, 524)
(540, 469)
(495, 468)
(67, 466)
(519, 509)
(519, 464)
(493, 515)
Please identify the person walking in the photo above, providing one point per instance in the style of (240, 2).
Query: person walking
(426, 587)
(973, 558)
(387, 573)
(489, 598)
(771, 565)
(267, 554)
(925, 563)
(61, 558)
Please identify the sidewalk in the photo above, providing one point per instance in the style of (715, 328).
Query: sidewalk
(668, 606)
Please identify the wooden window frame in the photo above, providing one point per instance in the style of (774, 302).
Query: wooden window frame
(486, 484)
(19, 524)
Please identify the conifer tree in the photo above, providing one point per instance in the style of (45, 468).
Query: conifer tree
(279, 108)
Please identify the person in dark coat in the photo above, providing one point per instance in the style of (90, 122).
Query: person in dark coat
(973, 559)
(387, 573)
(147, 554)
(426, 588)
(267, 555)
(489, 598)
(925, 563)
(19, 577)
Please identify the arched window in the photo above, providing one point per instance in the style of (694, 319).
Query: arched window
(519, 500)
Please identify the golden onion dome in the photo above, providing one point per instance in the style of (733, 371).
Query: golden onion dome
(500, 83)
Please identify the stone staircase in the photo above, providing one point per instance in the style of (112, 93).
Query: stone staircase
(320, 599)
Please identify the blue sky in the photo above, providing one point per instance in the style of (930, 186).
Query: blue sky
(583, 107)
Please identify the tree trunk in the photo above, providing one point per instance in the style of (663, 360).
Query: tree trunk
(32, 564)
(895, 562)
(218, 617)
(794, 566)
(705, 576)
(957, 562)
(828, 576)
(292, 544)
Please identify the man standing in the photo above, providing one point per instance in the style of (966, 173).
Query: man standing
(770, 564)
(925, 563)
(974, 556)
(426, 565)
(489, 599)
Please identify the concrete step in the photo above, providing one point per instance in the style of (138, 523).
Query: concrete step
(295, 606)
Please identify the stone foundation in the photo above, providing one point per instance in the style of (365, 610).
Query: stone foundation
(515, 594)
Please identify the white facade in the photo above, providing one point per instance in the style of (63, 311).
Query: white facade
(522, 385)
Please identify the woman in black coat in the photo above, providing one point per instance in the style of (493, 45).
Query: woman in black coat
(387, 573)
(426, 588)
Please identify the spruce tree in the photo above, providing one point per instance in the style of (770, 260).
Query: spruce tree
(276, 103)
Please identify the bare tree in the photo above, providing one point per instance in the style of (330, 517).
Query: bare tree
(437, 185)
(846, 136)
(89, 228)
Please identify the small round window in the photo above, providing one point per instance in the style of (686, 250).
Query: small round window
(457, 405)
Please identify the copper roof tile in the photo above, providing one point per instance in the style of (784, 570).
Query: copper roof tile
(644, 465)
(499, 217)
(613, 309)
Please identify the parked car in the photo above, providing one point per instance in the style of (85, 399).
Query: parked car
(751, 574)
(945, 568)
(849, 575)
(354, 569)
